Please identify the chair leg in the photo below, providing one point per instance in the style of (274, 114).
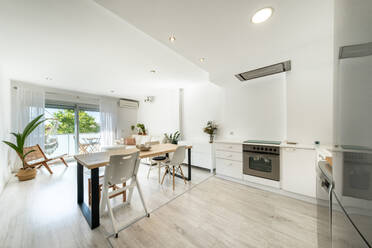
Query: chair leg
(148, 173)
(103, 201)
(124, 193)
(141, 196)
(173, 176)
(113, 220)
(48, 168)
(165, 173)
(184, 179)
(63, 160)
(159, 166)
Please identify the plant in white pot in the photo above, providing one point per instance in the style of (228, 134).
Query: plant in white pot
(26, 172)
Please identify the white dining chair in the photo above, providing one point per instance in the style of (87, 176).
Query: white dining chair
(174, 164)
(156, 161)
(121, 169)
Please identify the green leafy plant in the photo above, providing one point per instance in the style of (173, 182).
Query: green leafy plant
(132, 127)
(21, 139)
(210, 129)
(141, 129)
(172, 138)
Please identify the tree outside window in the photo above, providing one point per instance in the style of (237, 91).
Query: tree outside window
(66, 122)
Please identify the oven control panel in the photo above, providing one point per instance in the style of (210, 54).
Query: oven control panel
(261, 149)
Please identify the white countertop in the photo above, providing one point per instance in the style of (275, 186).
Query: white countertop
(283, 144)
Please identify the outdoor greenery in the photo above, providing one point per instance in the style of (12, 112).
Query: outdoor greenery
(66, 122)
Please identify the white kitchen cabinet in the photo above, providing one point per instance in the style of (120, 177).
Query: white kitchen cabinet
(298, 171)
(229, 158)
(229, 168)
(202, 154)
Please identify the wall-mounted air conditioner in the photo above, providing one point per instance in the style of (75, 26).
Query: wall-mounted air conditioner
(128, 104)
(265, 71)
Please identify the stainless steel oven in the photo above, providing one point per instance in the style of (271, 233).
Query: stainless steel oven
(261, 161)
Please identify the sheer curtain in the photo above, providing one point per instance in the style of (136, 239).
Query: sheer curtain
(108, 108)
(28, 102)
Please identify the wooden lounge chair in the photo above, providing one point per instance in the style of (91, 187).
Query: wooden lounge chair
(37, 158)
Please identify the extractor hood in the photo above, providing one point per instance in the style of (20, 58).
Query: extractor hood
(265, 71)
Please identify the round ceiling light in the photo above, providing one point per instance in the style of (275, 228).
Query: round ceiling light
(262, 15)
(202, 60)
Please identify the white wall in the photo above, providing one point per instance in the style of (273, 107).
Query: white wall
(199, 104)
(126, 118)
(4, 129)
(256, 109)
(353, 88)
(162, 115)
(310, 89)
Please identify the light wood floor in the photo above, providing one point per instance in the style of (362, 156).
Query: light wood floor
(214, 213)
(43, 212)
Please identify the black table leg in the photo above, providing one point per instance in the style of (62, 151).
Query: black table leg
(91, 215)
(189, 164)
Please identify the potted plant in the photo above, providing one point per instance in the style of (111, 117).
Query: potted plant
(141, 129)
(172, 138)
(210, 129)
(26, 172)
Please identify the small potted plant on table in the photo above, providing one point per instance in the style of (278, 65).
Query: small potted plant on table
(26, 172)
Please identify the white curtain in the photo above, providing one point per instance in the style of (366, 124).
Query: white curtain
(108, 108)
(27, 103)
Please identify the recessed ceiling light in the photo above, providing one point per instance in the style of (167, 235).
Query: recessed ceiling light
(152, 71)
(172, 38)
(112, 91)
(262, 15)
(48, 78)
(202, 59)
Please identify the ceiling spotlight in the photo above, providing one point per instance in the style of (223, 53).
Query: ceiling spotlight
(172, 38)
(152, 71)
(48, 78)
(112, 91)
(262, 15)
(202, 60)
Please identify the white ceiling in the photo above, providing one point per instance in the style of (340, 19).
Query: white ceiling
(84, 47)
(221, 30)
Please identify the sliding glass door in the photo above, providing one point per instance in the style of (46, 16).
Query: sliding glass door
(71, 128)
(89, 131)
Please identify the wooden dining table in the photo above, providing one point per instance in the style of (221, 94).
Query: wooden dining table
(93, 161)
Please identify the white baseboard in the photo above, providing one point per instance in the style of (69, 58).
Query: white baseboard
(271, 189)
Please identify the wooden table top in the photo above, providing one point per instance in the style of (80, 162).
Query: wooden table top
(99, 159)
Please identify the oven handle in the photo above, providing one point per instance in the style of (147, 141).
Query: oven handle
(256, 154)
(327, 185)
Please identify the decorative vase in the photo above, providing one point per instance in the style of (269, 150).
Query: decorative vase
(211, 138)
(26, 174)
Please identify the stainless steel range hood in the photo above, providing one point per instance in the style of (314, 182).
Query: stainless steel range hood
(265, 71)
